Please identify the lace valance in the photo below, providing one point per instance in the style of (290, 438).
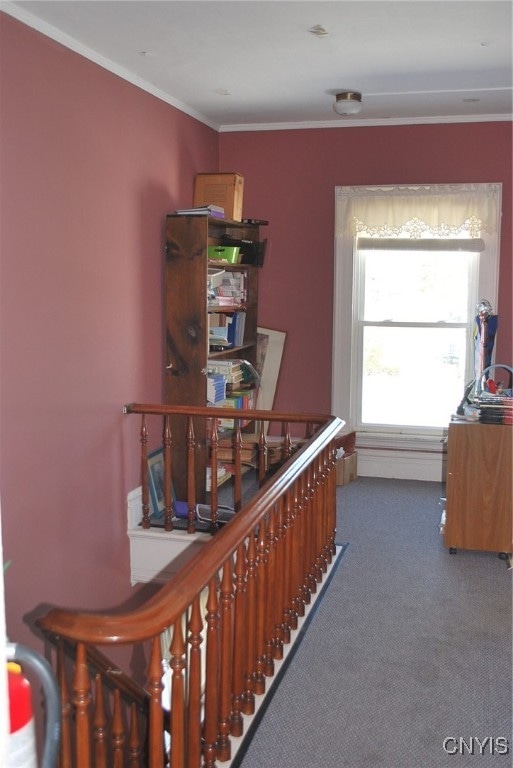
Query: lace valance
(436, 210)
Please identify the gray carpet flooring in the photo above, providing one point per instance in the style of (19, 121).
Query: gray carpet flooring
(408, 647)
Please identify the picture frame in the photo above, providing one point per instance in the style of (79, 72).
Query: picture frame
(156, 482)
(156, 478)
(270, 345)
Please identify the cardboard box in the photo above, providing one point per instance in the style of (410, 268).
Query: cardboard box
(223, 189)
(346, 468)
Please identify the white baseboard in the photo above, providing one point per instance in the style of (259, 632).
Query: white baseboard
(401, 465)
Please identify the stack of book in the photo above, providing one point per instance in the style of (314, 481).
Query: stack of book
(226, 453)
(495, 409)
(216, 211)
(216, 388)
(226, 330)
(229, 292)
(230, 369)
(240, 378)
(235, 400)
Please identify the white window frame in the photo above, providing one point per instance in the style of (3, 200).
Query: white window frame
(345, 319)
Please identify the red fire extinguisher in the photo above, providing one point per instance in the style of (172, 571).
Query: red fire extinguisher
(22, 742)
(22, 738)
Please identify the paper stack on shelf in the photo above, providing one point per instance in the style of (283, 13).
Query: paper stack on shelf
(230, 291)
(216, 211)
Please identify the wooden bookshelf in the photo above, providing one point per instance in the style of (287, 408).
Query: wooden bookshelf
(187, 316)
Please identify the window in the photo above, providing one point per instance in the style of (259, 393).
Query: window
(414, 309)
(411, 265)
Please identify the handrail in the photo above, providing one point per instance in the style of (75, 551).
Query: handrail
(253, 414)
(175, 596)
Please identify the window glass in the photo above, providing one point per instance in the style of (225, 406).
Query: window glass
(412, 376)
(416, 286)
(414, 346)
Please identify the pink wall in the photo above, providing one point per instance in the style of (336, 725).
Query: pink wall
(90, 166)
(290, 177)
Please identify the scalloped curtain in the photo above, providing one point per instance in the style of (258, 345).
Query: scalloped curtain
(416, 211)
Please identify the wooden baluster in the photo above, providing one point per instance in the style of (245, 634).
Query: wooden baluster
(261, 610)
(194, 699)
(214, 491)
(278, 581)
(286, 449)
(269, 624)
(191, 484)
(155, 713)
(65, 747)
(134, 740)
(82, 703)
(299, 603)
(314, 576)
(177, 665)
(99, 726)
(237, 480)
(248, 702)
(144, 475)
(306, 536)
(317, 524)
(168, 481)
(239, 641)
(289, 614)
(212, 679)
(262, 453)
(118, 732)
(225, 672)
(326, 532)
(321, 563)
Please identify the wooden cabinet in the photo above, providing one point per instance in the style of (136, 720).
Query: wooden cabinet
(187, 315)
(479, 487)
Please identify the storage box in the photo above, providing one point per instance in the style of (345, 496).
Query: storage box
(224, 189)
(346, 468)
(224, 252)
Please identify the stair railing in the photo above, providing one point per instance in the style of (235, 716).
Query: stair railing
(211, 636)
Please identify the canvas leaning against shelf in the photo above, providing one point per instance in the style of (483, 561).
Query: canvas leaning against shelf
(270, 346)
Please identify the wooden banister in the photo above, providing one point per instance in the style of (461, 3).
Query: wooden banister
(227, 615)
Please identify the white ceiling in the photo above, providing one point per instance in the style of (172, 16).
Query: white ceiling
(245, 64)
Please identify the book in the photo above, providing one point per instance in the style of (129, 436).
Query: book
(247, 456)
(202, 210)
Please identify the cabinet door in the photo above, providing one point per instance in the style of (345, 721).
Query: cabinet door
(479, 499)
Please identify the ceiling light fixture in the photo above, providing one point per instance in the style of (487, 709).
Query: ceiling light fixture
(348, 103)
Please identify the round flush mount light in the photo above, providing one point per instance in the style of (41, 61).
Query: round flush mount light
(348, 103)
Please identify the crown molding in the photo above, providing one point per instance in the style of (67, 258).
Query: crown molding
(367, 123)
